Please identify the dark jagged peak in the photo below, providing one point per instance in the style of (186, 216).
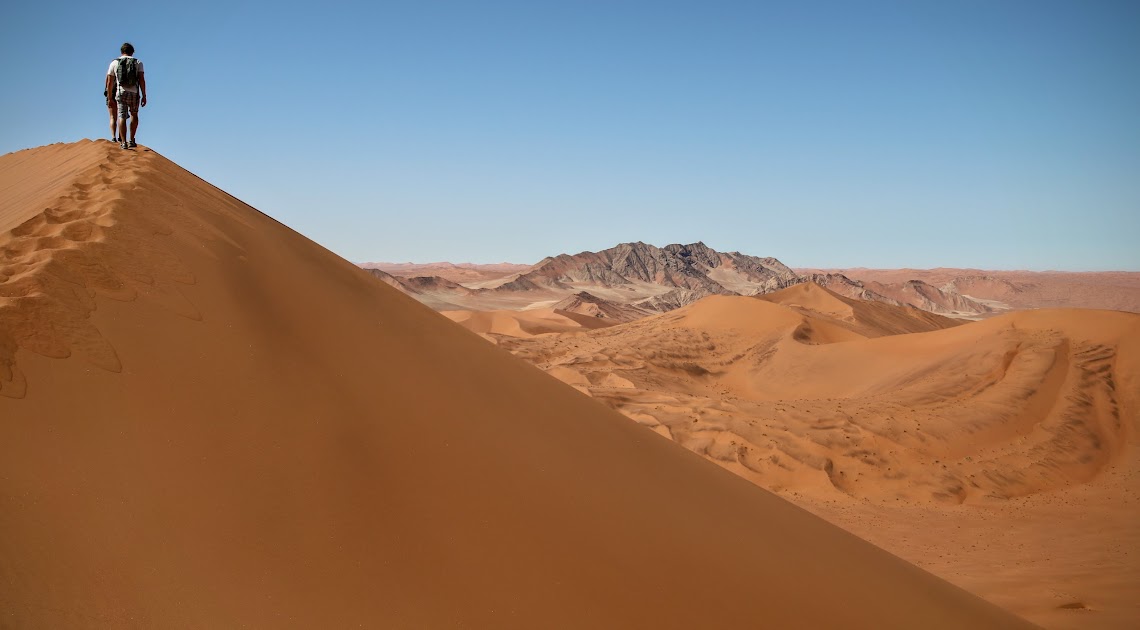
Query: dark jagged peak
(638, 261)
(694, 269)
(682, 266)
(761, 269)
(696, 253)
(594, 272)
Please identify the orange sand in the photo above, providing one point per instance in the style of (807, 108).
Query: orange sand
(206, 420)
(982, 451)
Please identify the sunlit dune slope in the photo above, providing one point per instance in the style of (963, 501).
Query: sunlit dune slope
(206, 420)
(524, 323)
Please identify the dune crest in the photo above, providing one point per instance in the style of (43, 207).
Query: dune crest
(57, 261)
(293, 443)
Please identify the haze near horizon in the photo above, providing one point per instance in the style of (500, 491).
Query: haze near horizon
(883, 134)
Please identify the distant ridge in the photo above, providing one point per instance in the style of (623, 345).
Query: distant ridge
(657, 279)
(456, 272)
(998, 290)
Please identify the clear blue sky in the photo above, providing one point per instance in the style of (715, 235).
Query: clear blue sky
(985, 133)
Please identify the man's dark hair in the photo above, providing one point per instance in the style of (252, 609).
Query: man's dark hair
(127, 49)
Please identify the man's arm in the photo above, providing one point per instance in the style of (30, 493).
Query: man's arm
(109, 86)
(142, 90)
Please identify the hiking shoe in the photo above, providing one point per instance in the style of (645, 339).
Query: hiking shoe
(123, 144)
(131, 144)
(116, 139)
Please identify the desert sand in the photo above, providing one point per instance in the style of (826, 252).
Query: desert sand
(1000, 454)
(529, 323)
(207, 420)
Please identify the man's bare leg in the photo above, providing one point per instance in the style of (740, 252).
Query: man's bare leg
(122, 129)
(134, 125)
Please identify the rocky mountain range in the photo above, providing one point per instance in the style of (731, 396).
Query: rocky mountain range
(631, 280)
(673, 276)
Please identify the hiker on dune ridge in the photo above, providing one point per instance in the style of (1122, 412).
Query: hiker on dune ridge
(126, 78)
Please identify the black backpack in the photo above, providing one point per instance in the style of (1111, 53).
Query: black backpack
(127, 72)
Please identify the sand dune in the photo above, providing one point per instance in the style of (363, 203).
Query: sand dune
(1022, 403)
(524, 323)
(869, 319)
(210, 421)
(815, 396)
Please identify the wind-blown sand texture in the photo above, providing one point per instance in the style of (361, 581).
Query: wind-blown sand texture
(1000, 454)
(207, 420)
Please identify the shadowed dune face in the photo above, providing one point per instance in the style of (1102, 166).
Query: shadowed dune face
(209, 421)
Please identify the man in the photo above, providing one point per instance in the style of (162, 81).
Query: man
(125, 76)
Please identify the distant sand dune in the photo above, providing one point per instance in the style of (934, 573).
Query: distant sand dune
(819, 397)
(1022, 403)
(524, 323)
(210, 421)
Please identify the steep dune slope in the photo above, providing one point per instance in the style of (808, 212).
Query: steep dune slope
(206, 420)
